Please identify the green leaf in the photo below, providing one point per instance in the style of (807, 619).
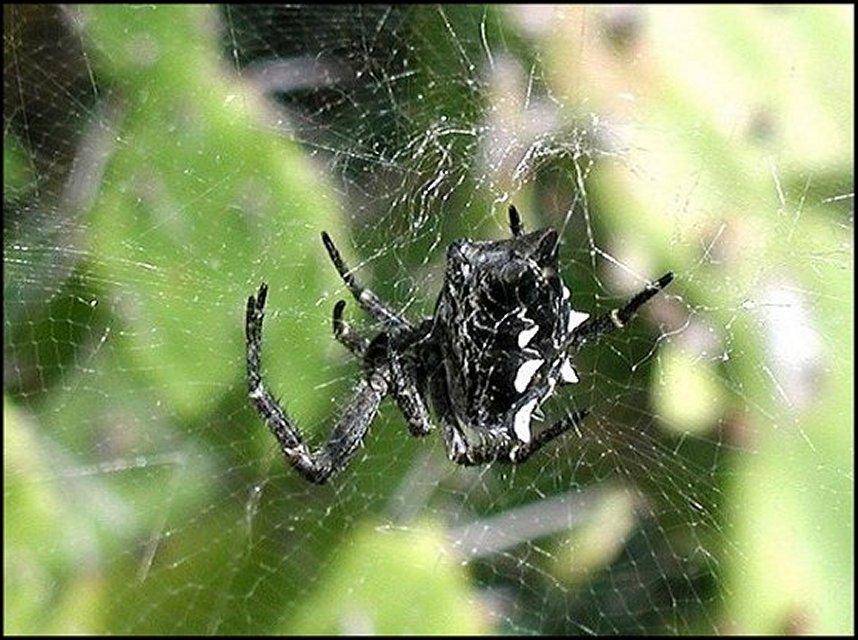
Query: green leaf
(393, 582)
(197, 188)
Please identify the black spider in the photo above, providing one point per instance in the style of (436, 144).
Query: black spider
(495, 349)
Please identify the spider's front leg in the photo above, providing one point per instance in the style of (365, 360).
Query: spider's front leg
(347, 434)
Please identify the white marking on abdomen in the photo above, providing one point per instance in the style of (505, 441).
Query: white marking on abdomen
(576, 318)
(521, 424)
(525, 374)
(526, 335)
(567, 372)
(552, 382)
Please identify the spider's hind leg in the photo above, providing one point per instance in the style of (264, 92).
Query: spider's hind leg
(545, 436)
(593, 328)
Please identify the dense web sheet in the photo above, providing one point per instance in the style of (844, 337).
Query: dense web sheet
(161, 162)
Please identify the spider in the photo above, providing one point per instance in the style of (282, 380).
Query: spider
(496, 348)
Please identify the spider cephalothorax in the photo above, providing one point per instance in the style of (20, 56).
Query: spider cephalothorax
(497, 346)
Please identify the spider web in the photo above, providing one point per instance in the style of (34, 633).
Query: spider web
(160, 162)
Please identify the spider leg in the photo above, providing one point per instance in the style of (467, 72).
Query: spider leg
(355, 343)
(468, 454)
(522, 453)
(617, 318)
(407, 394)
(403, 381)
(348, 433)
(462, 452)
(366, 298)
(515, 221)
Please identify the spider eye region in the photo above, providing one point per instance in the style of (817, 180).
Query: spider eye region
(503, 321)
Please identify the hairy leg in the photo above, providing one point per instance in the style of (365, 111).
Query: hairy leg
(348, 432)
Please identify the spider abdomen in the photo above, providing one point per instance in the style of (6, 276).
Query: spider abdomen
(502, 322)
